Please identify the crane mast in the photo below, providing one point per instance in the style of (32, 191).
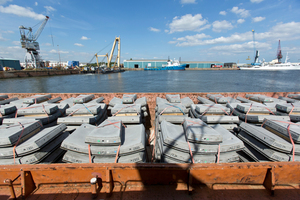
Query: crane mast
(256, 52)
(28, 42)
(279, 55)
(117, 39)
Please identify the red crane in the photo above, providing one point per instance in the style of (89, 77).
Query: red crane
(279, 55)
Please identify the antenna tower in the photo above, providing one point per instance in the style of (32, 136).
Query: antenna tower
(279, 55)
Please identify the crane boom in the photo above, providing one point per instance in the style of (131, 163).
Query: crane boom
(117, 39)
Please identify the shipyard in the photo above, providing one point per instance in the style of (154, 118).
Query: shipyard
(184, 99)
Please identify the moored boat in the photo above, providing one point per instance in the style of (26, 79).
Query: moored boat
(278, 66)
(169, 66)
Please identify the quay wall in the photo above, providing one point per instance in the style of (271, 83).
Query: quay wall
(35, 73)
(142, 69)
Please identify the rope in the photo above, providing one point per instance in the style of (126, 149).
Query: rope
(153, 151)
(191, 153)
(170, 105)
(212, 106)
(288, 129)
(219, 149)
(127, 107)
(232, 112)
(14, 125)
(110, 123)
(247, 113)
(46, 113)
(80, 109)
(292, 109)
(14, 149)
(292, 141)
(117, 155)
(90, 154)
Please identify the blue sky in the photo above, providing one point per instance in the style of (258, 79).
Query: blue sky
(195, 30)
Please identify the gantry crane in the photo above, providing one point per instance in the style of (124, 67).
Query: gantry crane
(28, 42)
(109, 58)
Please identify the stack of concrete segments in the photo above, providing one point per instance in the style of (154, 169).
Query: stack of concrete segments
(213, 114)
(32, 100)
(289, 100)
(270, 142)
(7, 111)
(196, 142)
(294, 96)
(26, 142)
(254, 112)
(110, 142)
(289, 109)
(220, 99)
(4, 99)
(46, 113)
(83, 110)
(172, 109)
(129, 109)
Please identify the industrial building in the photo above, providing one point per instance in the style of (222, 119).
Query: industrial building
(10, 63)
(158, 63)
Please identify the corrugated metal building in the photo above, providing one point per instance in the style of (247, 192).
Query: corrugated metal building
(11, 63)
(158, 63)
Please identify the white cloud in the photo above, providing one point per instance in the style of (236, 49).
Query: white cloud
(36, 4)
(189, 39)
(219, 26)
(256, 1)
(54, 51)
(84, 38)
(49, 9)
(1, 38)
(287, 31)
(47, 44)
(15, 52)
(258, 19)
(187, 22)
(11, 32)
(241, 12)
(188, 1)
(4, 1)
(240, 48)
(21, 11)
(77, 44)
(222, 13)
(240, 21)
(16, 42)
(154, 29)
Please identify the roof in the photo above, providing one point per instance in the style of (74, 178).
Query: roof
(161, 60)
(1, 58)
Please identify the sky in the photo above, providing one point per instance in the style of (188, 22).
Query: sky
(193, 30)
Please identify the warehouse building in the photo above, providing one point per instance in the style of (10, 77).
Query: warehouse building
(10, 63)
(130, 64)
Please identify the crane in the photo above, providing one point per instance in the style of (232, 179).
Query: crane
(256, 52)
(279, 55)
(117, 39)
(28, 42)
(110, 56)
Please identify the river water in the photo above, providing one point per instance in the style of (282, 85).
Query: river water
(158, 81)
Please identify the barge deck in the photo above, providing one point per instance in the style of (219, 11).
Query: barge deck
(151, 180)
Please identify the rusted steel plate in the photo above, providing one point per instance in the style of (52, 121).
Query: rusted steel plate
(250, 173)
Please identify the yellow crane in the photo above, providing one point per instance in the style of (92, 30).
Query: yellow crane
(109, 58)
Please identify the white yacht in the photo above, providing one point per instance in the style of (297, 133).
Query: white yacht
(280, 66)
